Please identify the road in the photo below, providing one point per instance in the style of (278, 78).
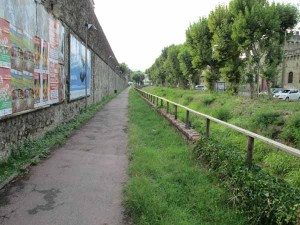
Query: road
(81, 182)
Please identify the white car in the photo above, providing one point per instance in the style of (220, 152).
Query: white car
(288, 95)
(201, 87)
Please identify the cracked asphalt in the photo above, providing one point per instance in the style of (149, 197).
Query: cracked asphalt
(80, 183)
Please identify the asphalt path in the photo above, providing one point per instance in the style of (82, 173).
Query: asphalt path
(81, 182)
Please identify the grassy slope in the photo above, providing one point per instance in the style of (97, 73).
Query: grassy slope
(269, 118)
(165, 186)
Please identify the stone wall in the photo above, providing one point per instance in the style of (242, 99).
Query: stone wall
(104, 81)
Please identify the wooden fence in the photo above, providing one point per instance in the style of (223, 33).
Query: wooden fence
(250, 135)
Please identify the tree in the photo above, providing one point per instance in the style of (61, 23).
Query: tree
(225, 49)
(257, 24)
(189, 73)
(125, 70)
(138, 77)
(172, 67)
(198, 39)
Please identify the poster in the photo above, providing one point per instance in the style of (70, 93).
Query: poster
(16, 36)
(5, 92)
(53, 38)
(28, 71)
(37, 89)
(45, 51)
(61, 45)
(61, 86)
(53, 81)
(37, 52)
(53, 60)
(5, 44)
(45, 88)
(77, 69)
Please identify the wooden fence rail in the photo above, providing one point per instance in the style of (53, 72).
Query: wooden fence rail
(250, 135)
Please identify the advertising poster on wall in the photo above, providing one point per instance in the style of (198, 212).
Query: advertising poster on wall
(61, 86)
(61, 45)
(5, 92)
(28, 71)
(17, 62)
(37, 88)
(45, 88)
(77, 69)
(53, 60)
(38, 79)
(53, 80)
(5, 44)
(53, 38)
(45, 51)
(37, 52)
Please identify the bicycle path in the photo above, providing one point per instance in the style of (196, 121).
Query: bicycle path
(81, 182)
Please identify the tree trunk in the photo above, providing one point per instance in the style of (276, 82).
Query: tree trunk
(269, 89)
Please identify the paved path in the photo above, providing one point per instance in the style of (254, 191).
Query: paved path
(81, 183)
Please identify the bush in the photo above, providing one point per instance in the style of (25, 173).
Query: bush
(223, 114)
(291, 130)
(209, 100)
(265, 119)
(266, 199)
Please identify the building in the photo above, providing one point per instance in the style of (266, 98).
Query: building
(289, 76)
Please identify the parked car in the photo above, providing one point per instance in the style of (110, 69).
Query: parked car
(288, 95)
(200, 87)
(276, 90)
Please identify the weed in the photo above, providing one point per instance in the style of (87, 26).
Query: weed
(165, 185)
(223, 114)
(208, 100)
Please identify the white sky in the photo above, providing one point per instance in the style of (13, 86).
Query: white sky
(138, 30)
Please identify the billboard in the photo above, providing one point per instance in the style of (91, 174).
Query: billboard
(77, 69)
(31, 67)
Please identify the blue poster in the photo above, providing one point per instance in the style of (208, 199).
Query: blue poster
(77, 69)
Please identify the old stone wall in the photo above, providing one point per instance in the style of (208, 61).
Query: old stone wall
(105, 78)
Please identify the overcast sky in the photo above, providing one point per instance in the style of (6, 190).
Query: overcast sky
(138, 30)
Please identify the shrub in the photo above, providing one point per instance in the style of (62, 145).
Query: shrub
(265, 119)
(209, 100)
(266, 199)
(291, 130)
(223, 114)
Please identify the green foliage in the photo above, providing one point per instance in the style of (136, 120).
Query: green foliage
(267, 200)
(138, 77)
(265, 119)
(223, 114)
(165, 185)
(291, 130)
(25, 153)
(208, 100)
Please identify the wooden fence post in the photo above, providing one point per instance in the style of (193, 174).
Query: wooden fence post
(250, 148)
(207, 127)
(187, 118)
(175, 106)
(167, 107)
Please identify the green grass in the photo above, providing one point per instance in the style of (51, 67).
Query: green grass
(278, 120)
(166, 185)
(26, 152)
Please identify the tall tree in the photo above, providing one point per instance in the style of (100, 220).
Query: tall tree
(225, 49)
(190, 74)
(198, 38)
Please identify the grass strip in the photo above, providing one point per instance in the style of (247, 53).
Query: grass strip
(30, 151)
(166, 186)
